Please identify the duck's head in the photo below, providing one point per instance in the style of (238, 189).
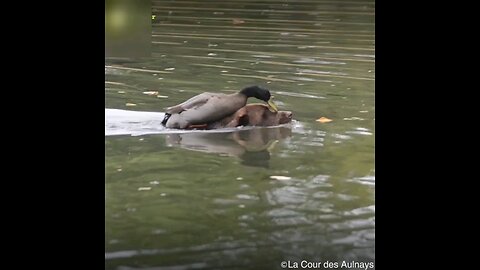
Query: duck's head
(260, 93)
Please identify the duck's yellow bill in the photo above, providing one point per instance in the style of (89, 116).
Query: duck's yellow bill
(272, 105)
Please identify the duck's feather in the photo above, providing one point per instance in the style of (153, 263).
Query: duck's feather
(194, 102)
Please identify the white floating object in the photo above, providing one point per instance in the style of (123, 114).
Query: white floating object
(144, 188)
(280, 177)
(151, 93)
(352, 118)
(171, 68)
(154, 182)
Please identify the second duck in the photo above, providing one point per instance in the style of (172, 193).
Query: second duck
(208, 107)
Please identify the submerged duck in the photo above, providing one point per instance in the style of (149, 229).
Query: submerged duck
(253, 115)
(209, 107)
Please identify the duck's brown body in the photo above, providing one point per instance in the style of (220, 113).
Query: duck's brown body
(253, 115)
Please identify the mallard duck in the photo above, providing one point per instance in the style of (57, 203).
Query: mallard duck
(208, 107)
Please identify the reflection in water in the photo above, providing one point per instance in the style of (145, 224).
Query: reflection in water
(253, 146)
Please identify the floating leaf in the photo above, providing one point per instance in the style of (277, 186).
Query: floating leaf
(151, 93)
(324, 120)
(280, 177)
(130, 104)
(238, 21)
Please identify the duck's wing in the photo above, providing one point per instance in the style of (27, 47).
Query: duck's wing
(193, 102)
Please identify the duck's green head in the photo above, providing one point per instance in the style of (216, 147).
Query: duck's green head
(260, 93)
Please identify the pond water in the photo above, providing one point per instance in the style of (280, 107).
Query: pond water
(245, 198)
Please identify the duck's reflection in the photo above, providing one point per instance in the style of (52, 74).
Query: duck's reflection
(252, 146)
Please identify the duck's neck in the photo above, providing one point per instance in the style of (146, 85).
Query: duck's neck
(250, 91)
